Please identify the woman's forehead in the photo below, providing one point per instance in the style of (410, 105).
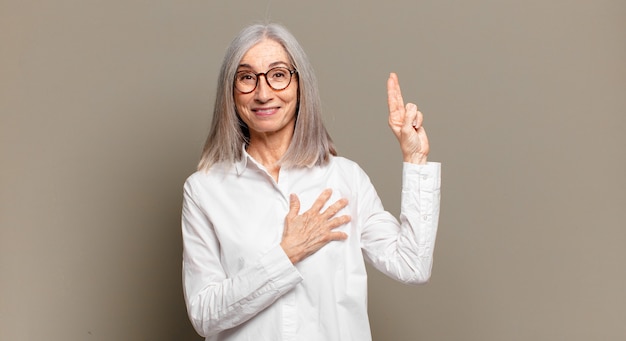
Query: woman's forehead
(265, 54)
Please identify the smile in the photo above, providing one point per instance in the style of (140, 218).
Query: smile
(265, 111)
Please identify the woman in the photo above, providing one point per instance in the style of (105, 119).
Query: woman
(276, 227)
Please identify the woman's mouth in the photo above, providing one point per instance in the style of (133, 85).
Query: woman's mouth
(265, 111)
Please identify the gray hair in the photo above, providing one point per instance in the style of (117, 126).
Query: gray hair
(311, 144)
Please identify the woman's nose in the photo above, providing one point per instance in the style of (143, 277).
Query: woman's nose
(263, 92)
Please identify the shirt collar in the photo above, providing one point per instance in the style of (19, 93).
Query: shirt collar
(242, 163)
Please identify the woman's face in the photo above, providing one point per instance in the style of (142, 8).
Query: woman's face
(264, 110)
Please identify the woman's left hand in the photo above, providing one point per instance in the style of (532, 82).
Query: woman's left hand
(406, 124)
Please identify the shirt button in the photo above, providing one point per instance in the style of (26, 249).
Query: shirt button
(425, 217)
(425, 177)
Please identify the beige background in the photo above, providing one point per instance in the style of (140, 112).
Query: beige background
(104, 107)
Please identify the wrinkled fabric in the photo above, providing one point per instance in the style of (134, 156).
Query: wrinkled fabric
(240, 285)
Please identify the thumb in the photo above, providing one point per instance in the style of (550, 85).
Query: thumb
(294, 205)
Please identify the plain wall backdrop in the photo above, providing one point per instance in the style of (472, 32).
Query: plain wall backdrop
(105, 105)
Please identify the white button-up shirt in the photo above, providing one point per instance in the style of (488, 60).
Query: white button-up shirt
(240, 285)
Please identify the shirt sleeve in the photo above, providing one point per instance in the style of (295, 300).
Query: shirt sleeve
(403, 249)
(215, 301)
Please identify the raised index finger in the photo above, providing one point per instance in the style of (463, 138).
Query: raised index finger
(394, 95)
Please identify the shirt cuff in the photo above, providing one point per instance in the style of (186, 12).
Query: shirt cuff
(428, 176)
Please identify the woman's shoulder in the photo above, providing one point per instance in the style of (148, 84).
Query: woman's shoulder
(216, 172)
(344, 164)
(342, 161)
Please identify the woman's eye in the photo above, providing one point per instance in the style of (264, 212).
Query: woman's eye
(245, 77)
(279, 74)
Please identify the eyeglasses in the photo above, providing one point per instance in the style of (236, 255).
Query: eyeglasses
(277, 78)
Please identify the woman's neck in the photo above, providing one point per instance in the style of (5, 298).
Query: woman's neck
(268, 150)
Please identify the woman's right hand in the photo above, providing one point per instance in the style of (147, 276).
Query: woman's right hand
(406, 124)
(306, 233)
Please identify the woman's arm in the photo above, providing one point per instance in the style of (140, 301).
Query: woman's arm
(215, 301)
(404, 250)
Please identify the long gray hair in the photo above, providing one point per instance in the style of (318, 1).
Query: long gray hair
(311, 144)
